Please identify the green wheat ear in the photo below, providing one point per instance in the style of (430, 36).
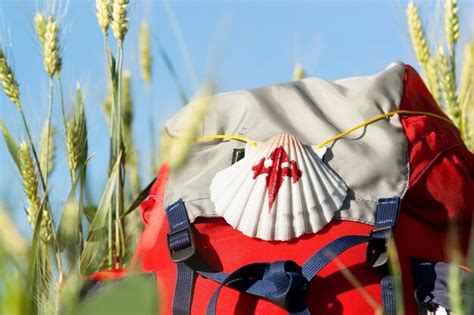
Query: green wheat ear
(451, 24)
(51, 50)
(30, 185)
(40, 28)
(76, 137)
(448, 86)
(417, 33)
(47, 152)
(9, 84)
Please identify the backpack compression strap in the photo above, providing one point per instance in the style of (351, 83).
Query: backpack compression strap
(284, 283)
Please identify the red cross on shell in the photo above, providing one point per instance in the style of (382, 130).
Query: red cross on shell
(277, 172)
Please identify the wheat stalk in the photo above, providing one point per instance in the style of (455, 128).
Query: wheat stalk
(130, 149)
(418, 38)
(298, 72)
(451, 25)
(181, 147)
(104, 11)
(76, 138)
(448, 86)
(119, 19)
(146, 57)
(40, 28)
(47, 150)
(107, 106)
(51, 51)
(10, 85)
(127, 101)
(30, 186)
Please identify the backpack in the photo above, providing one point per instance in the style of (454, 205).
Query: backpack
(298, 194)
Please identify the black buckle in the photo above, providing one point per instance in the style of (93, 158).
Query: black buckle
(377, 254)
(185, 253)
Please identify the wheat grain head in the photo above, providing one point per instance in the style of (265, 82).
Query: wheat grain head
(120, 19)
(9, 84)
(418, 38)
(30, 186)
(47, 151)
(104, 11)
(52, 55)
(40, 28)
(76, 138)
(298, 72)
(448, 86)
(451, 24)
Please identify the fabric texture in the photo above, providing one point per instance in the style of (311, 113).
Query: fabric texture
(441, 188)
(371, 161)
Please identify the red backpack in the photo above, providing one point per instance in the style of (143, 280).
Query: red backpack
(204, 264)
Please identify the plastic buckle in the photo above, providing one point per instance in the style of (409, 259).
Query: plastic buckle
(185, 253)
(377, 254)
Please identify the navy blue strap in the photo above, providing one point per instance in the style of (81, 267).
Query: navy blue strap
(385, 221)
(283, 282)
(183, 291)
(181, 247)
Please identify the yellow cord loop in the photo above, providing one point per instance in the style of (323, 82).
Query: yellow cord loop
(238, 138)
(339, 136)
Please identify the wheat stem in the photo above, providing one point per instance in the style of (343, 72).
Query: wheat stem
(61, 101)
(50, 109)
(120, 149)
(151, 127)
(146, 58)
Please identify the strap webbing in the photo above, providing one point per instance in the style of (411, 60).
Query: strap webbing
(184, 289)
(283, 282)
(385, 221)
(179, 238)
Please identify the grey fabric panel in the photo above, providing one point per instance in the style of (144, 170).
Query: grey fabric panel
(372, 161)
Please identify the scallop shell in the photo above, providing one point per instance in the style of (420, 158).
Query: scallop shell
(280, 190)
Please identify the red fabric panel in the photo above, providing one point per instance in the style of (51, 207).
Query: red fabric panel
(441, 187)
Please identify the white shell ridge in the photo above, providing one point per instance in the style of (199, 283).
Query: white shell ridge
(280, 190)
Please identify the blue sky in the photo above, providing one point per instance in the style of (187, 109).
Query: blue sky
(241, 44)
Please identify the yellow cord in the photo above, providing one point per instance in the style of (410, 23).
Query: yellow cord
(339, 136)
(238, 138)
